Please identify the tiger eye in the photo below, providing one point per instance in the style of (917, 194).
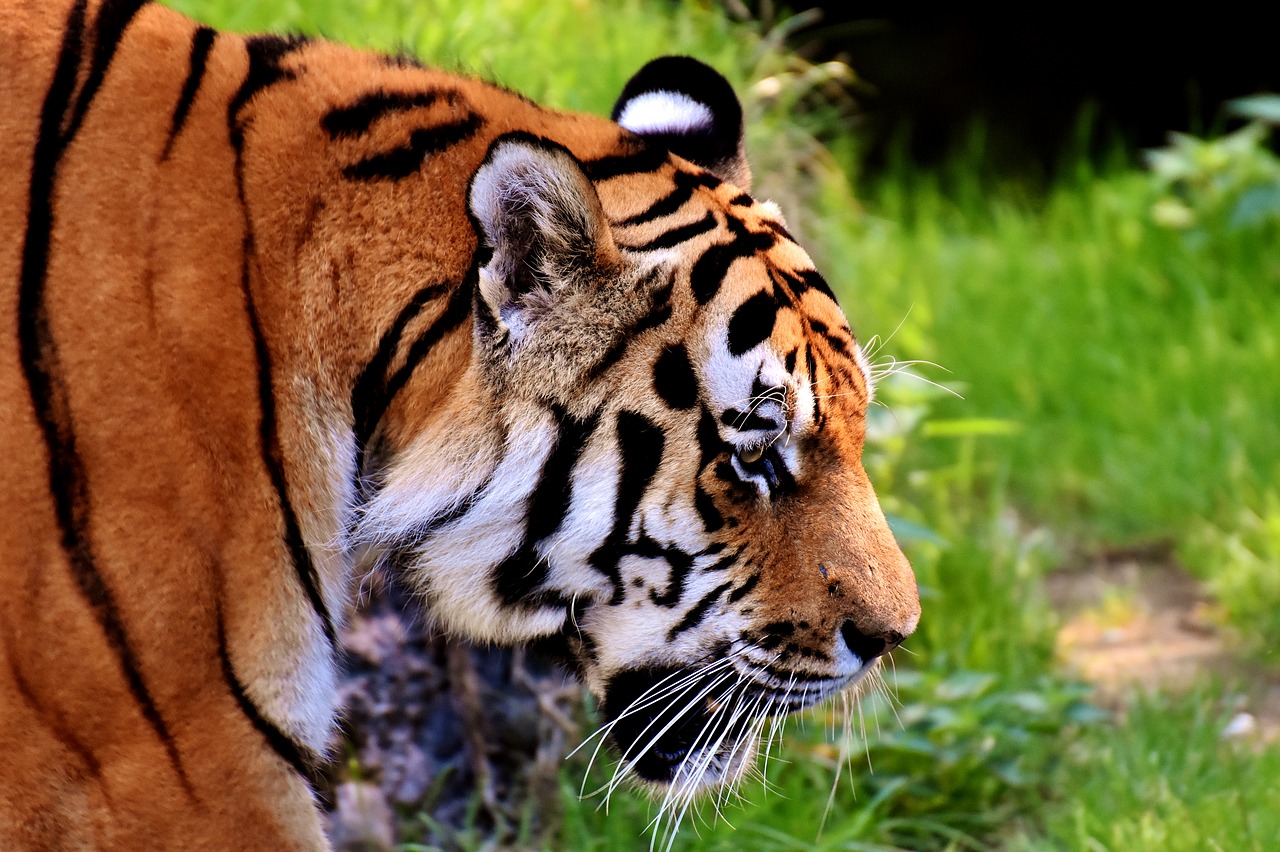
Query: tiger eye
(751, 456)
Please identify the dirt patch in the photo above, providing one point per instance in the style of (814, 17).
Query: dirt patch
(1137, 620)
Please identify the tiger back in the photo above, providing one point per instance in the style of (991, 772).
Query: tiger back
(280, 313)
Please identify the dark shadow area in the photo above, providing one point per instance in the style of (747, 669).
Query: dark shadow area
(1029, 75)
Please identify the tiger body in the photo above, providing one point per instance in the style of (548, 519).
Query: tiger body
(282, 311)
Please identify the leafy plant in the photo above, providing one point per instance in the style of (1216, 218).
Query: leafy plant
(1245, 555)
(1231, 182)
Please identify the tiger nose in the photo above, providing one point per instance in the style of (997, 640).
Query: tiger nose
(866, 647)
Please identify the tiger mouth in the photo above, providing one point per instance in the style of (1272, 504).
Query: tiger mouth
(670, 722)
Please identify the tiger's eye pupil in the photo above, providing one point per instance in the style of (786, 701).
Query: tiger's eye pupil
(752, 455)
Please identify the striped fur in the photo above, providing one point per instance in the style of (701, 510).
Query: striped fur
(284, 313)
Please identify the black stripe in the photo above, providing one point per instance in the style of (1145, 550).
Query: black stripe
(406, 160)
(830, 389)
(674, 379)
(710, 269)
(837, 343)
(710, 447)
(681, 564)
(745, 589)
(55, 723)
(273, 458)
(370, 385)
(641, 443)
(685, 184)
(694, 616)
(407, 550)
(710, 442)
(611, 356)
(748, 421)
(814, 281)
(265, 53)
(113, 18)
(201, 44)
(793, 678)
(615, 352)
(680, 561)
(752, 323)
(641, 161)
(812, 366)
(38, 352)
(783, 295)
(753, 241)
(653, 319)
(356, 119)
(712, 520)
(742, 200)
(297, 756)
(401, 60)
(518, 577)
(676, 236)
(455, 313)
(665, 206)
(777, 229)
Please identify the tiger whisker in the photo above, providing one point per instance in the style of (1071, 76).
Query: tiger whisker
(672, 691)
(624, 767)
(751, 735)
(875, 343)
(684, 788)
(840, 762)
(658, 692)
(688, 789)
(682, 793)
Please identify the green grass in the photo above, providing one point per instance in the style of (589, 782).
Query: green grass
(1138, 361)
(1118, 384)
(1165, 780)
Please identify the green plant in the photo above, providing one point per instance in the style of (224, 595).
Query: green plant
(1245, 554)
(1232, 182)
(1163, 778)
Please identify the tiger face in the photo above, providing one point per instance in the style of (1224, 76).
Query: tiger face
(659, 459)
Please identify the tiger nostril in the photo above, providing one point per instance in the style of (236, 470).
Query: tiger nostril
(867, 647)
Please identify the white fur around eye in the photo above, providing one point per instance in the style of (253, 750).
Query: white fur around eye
(665, 112)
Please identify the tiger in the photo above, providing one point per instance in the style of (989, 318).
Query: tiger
(283, 313)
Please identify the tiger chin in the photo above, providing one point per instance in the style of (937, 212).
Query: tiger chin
(282, 313)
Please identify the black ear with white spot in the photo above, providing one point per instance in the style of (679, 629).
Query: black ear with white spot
(539, 214)
(686, 106)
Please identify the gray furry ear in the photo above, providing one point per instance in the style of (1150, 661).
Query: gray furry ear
(688, 108)
(537, 212)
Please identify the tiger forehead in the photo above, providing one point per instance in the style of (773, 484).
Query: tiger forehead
(678, 209)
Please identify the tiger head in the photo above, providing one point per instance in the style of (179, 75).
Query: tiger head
(658, 453)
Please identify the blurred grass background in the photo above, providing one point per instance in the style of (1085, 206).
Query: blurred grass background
(1113, 332)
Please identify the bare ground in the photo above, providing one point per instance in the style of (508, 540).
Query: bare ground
(1136, 620)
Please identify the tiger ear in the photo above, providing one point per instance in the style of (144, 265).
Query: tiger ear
(686, 107)
(538, 214)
